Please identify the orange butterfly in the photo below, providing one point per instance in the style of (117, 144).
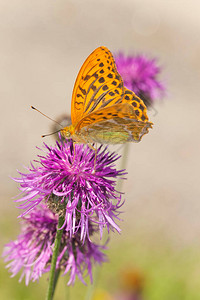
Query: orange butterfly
(102, 109)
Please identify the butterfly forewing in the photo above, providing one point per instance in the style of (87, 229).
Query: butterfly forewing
(98, 85)
(103, 110)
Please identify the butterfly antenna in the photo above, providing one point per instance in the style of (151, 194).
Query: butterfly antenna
(46, 116)
(44, 135)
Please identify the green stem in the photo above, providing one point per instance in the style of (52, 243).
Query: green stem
(57, 273)
(91, 288)
(123, 165)
(53, 277)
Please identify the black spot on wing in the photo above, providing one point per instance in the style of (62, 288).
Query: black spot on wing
(128, 92)
(105, 87)
(93, 87)
(79, 95)
(141, 107)
(87, 77)
(137, 112)
(82, 90)
(101, 80)
(134, 104)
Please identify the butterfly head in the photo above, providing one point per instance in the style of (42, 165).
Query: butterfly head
(67, 131)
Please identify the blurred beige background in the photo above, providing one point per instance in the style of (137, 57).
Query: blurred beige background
(42, 47)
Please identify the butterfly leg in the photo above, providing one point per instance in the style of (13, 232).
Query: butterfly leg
(74, 152)
(74, 148)
(95, 157)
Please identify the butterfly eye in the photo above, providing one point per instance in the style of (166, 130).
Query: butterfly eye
(67, 134)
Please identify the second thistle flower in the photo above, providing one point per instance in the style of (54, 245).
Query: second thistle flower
(140, 74)
(31, 253)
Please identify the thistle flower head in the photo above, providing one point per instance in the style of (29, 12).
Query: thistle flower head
(74, 185)
(140, 75)
(31, 252)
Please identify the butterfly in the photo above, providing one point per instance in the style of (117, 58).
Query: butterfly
(103, 110)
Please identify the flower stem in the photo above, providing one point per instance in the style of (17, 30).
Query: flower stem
(53, 277)
(123, 165)
(57, 273)
(91, 288)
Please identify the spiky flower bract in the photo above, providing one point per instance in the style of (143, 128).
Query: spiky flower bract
(140, 74)
(76, 184)
(31, 252)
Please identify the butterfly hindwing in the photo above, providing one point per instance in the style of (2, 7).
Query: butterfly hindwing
(115, 124)
(114, 132)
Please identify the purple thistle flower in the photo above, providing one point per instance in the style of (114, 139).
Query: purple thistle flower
(140, 75)
(31, 252)
(74, 186)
